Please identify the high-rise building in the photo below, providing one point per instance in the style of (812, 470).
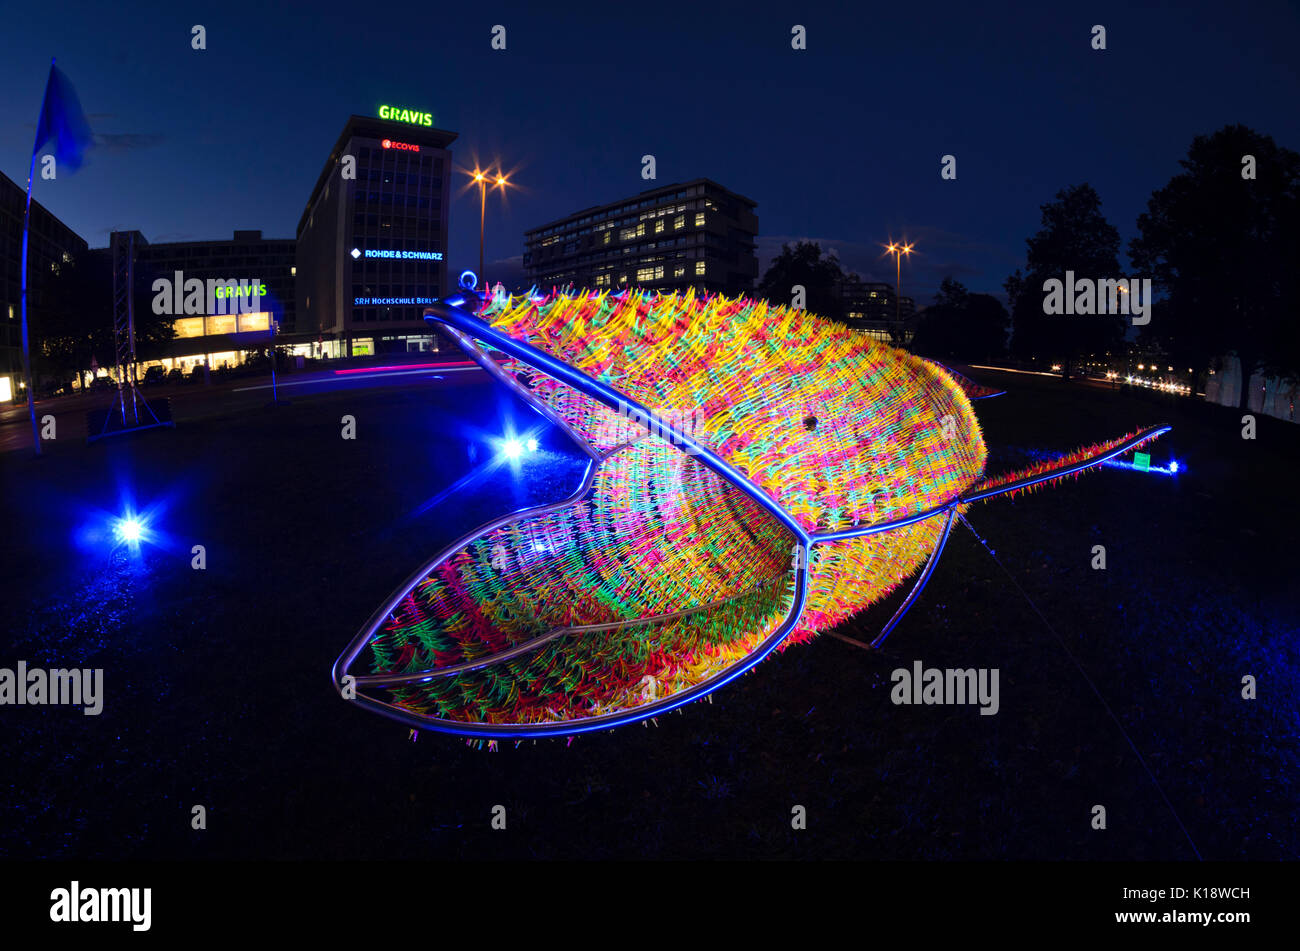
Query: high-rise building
(371, 248)
(694, 234)
(51, 245)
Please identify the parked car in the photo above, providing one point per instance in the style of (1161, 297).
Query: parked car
(103, 383)
(175, 375)
(153, 375)
(196, 374)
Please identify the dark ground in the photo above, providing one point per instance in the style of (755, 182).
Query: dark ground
(218, 687)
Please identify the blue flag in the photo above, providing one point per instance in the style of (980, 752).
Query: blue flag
(63, 123)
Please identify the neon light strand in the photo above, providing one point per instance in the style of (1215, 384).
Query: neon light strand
(1066, 461)
(695, 546)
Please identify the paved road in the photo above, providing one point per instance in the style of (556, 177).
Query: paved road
(194, 400)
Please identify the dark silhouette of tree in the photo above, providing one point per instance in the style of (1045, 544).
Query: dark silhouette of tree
(77, 327)
(961, 325)
(1075, 236)
(803, 264)
(66, 334)
(1225, 250)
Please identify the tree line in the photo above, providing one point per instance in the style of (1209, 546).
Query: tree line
(1220, 243)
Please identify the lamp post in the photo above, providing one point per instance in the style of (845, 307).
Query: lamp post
(482, 179)
(898, 250)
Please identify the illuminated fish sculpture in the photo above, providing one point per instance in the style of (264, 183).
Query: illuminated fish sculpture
(757, 474)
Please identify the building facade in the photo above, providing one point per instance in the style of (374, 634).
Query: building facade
(871, 306)
(51, 246)
(371, 250)
(220, 297)
(247, 256)
(693, 234)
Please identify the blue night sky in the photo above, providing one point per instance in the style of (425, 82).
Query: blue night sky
(840, 143)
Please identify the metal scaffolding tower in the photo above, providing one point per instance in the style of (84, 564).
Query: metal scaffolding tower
(140, 415)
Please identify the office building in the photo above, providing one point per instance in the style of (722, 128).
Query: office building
(371, 249)
(693, 234)
(870, 306)
(187, 282)
(51, 246)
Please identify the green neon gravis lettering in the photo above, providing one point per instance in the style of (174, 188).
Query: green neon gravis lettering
(262, 290)
(405, 115)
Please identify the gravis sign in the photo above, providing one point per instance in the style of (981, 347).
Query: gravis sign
(181, 295)
(405, 115)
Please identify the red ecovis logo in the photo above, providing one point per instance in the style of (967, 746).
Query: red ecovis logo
(406, 146)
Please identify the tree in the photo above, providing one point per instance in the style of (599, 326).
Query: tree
(74, 323)
(804, 265)
(1075, 236)
(1224, 247)
(961, 325)
(76, 327)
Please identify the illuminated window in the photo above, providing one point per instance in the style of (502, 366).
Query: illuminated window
(659, 226)
(679, 271)
(699, 219)
(699, 267)
(602, 280)
(679, 222)
(258, 321)
(188, 327)
(645, 274)
(222, 324)
(293, 271)
(606, 238)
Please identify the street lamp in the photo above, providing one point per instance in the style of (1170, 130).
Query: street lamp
(898, 250)
(482, 179)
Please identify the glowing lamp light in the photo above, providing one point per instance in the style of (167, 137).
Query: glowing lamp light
(1173, 465)
(129, 529)
(512, 449)
(532, 445)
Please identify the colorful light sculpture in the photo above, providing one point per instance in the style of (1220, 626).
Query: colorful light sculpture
(757, 475)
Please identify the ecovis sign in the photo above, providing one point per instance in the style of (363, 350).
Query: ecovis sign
(405, 115)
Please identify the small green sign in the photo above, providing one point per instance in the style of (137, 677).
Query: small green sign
(1142, 460)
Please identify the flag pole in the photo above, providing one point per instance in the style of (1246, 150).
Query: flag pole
(27, 352)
